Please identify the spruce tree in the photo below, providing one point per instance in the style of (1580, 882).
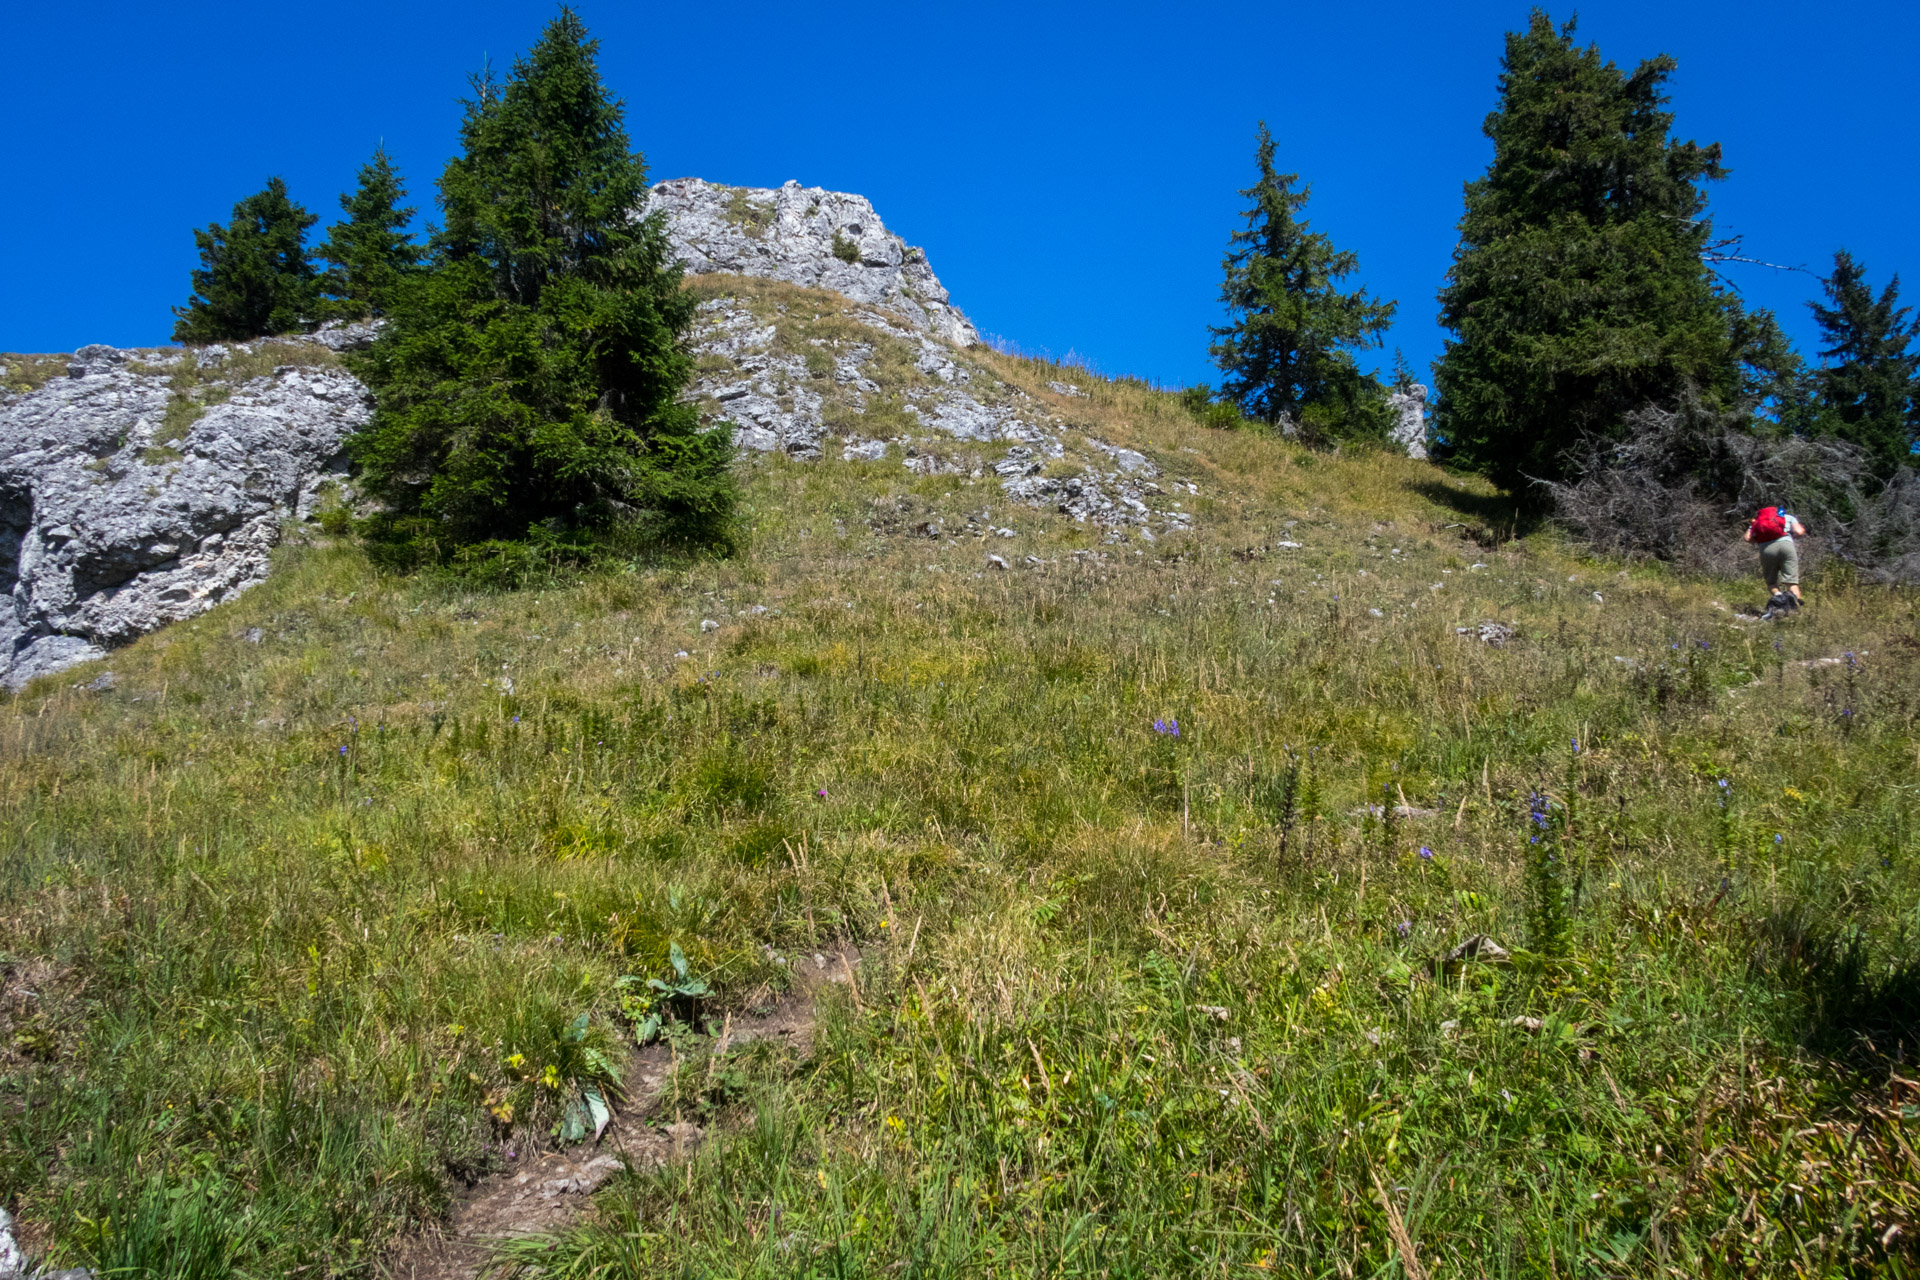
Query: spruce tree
(369, 252)
(532, 374)
(1289, 346)
(1867, 386)
(254, 277)
(1580, 289)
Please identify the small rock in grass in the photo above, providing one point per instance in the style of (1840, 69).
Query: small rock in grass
(1491, 633)
(708, 624)
(1479, 947)
(996, 562)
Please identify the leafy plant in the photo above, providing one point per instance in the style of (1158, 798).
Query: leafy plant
(647, 1004)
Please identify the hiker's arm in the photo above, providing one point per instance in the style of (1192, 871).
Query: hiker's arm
(1748, 535)
(1799, 530)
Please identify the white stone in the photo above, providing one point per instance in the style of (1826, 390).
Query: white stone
(1409, 405)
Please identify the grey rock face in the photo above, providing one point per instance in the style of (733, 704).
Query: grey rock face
(775, 404)
(116, 519)
(112, 523)
(1410, 419)
(13, 1260)
(812, 237)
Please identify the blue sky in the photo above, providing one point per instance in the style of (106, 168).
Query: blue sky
(1071, 169)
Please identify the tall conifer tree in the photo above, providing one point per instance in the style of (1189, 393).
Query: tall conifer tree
(254, 278)
(369, 252)
(532, 374)
(1580, 289)
(1289, 346)
(1867, 388)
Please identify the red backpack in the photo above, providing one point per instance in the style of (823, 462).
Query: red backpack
(1771, 523)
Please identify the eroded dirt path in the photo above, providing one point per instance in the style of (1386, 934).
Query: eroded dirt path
(550, 1189)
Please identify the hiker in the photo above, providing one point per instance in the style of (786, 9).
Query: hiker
(1773, 531)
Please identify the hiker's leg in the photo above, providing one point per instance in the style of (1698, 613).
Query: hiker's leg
(1790, 567)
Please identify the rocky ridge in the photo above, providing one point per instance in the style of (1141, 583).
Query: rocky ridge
(149, 485)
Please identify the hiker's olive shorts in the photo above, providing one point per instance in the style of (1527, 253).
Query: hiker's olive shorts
(1780, 562)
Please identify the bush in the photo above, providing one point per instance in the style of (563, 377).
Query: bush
(1683, 481)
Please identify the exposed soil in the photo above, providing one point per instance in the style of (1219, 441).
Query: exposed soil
(550, 1189)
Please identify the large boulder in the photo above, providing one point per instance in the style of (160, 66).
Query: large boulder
(146, 487)
(808, 236)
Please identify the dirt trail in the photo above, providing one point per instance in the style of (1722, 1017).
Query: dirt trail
(552, 1188)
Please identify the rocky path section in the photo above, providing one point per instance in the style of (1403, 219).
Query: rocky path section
(553, 1188)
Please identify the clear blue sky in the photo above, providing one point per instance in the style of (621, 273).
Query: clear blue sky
(1071, 169)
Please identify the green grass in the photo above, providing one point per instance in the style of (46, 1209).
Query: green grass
(293, 927)
(25, 372)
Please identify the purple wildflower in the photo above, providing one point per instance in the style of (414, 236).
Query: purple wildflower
(1404, 928)
(1169, 727)
(1426, 854)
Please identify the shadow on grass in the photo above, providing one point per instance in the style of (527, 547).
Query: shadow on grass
(1491, 518)
(1862, 1002)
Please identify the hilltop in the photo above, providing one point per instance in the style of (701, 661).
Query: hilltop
(1237, 856)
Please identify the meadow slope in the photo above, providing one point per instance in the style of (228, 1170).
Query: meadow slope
(345, 891)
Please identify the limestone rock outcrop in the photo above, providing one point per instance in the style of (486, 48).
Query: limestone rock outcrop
(813, 237)
(131, 497)
(1409, 405)
(149, 485)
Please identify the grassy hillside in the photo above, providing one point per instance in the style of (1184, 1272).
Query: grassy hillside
(334, 898)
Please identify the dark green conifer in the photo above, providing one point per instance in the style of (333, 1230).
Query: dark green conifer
(1868, 392)
(371, 250)
(532, 374)
(1289, 345)
(1580, 289)
(254, 277)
